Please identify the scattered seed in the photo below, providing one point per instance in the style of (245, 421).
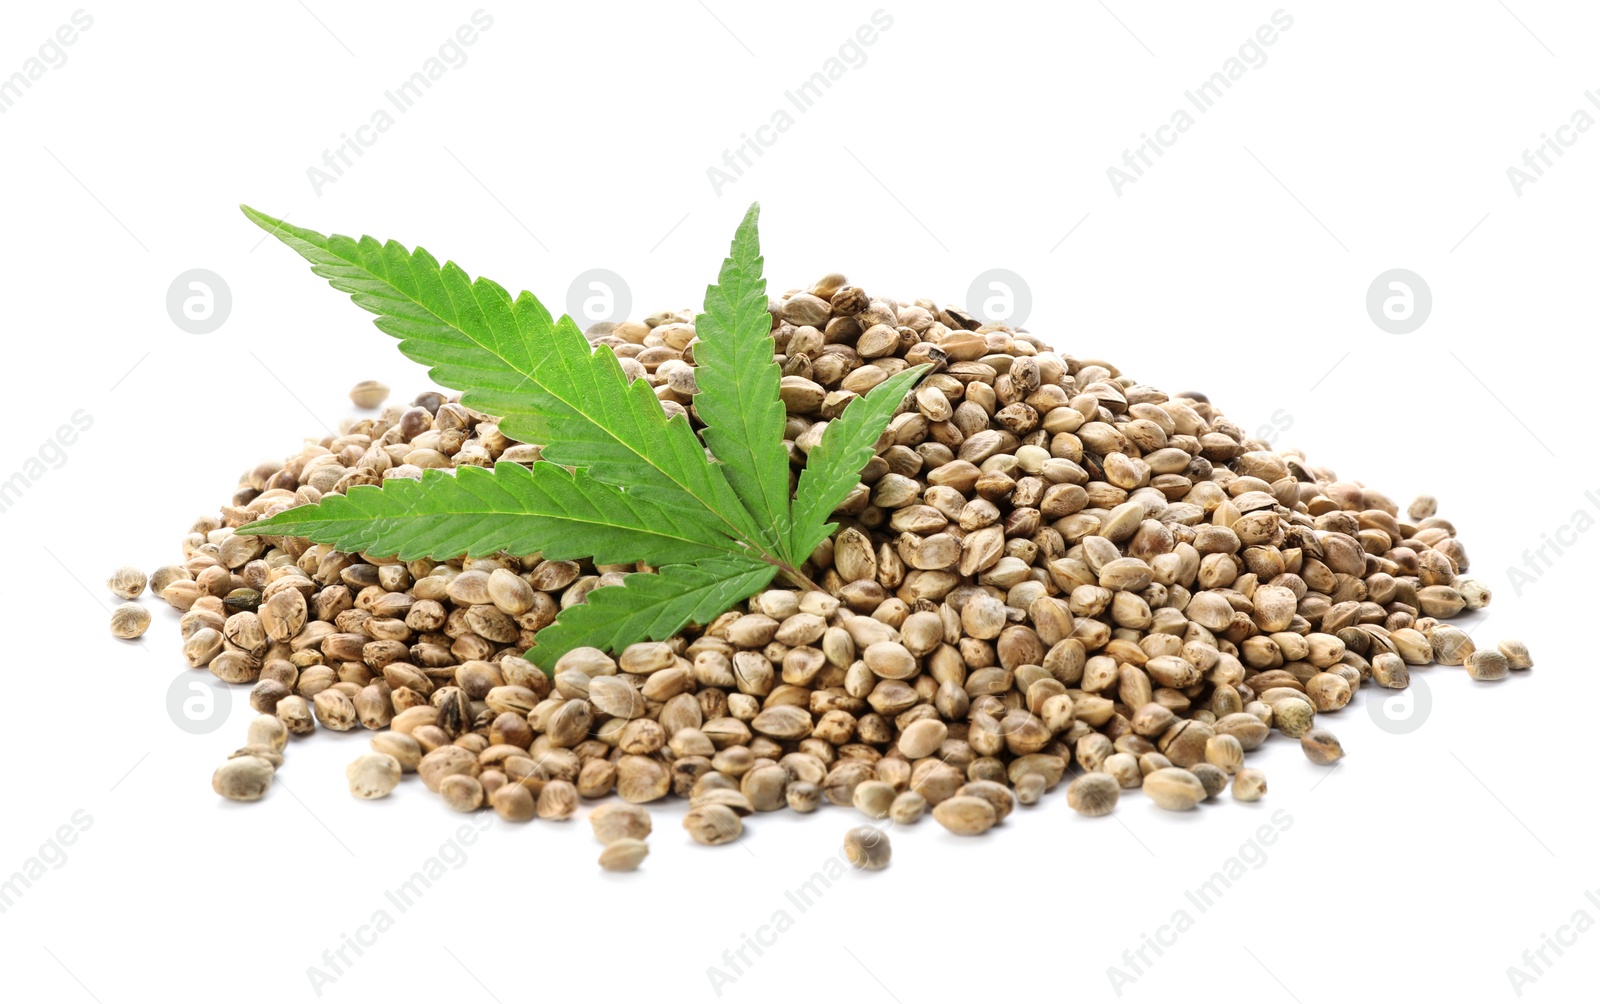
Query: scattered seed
(1516, 654)
(874, 799)
(1321, 746)
(907, 808)
(512, 802)
(268, 731)
(127, 582)
(129, 620)
(465, 793)
(1212, 778)
(803, 796)
(967, 815)
(372, 775)
(243, 779)
(713, 824)
(867, 847)
(623, 854)
(558, 800)
(1488, 664)
(620, 821)
(1174, 788)
(1249, 785)
(369, 394)
(1226, 752)
(1093, 794)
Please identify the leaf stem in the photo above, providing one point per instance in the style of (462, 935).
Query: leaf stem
(795, 576)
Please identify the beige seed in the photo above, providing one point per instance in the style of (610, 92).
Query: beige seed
(713, 824)
(1487, 664)
(513, 802)
(967, 815)
(243, 779)
(803, 796)
(129, 621)
(405, 750)
(1226, 752)
(372, 775)
(890, 660)
(922, 738)
(1174, 788)
(1390, 671)
(1321, 746)
(1212, 778)
(369, 394)
(510, 592)
(615, 696)
(558, 800)
(624, 854)
(127, 582)
(165, 576)
(445, 761)
(202, 646)
(283, 614)
(873, 798)
(266, 753)
(295, 714)
(1030, 788)
(642, 779)
(463, 793)
(867, 847)
(619, 821)
(983, 617)
(1516, 654)
(1249, 785)
(268, 731)
(335, 710)
(908, 807)
(1293, 716)
(993, 792)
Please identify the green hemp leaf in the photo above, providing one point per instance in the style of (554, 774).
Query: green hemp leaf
(620, 482)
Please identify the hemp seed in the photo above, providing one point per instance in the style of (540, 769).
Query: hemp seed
(1516, 654)
(1174, 788)
(243, 779)
(867, 847)
(713, 824)
(372, 775)
(1249, 785)
(624, 854)
(966, 815)
(619, 821)
(1321, 746)
(129, 621)
(1093, 794)
(1487, 664)
(127, 582)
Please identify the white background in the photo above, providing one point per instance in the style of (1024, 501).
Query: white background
(576, 136)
